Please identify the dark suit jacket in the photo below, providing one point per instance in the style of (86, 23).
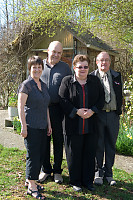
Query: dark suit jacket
(70, 102)
(117, 85)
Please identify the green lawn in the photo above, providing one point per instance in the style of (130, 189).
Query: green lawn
(12, 177)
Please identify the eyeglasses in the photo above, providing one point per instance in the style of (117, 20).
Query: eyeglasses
(104, 60)
(82, 67)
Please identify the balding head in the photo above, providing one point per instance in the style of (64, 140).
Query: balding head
(103, 61)
(102, 54)
(55, 43)
(55, 50)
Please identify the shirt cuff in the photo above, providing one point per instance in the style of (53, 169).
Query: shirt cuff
(94, 109)
(73, 113)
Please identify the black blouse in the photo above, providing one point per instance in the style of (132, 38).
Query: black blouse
(36, 104)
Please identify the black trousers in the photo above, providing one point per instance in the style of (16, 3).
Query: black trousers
(56, 117)
(35, 143)
(108, 126)
(80, 154)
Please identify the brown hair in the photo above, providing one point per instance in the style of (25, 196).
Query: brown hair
(80, 58)
(34, 60)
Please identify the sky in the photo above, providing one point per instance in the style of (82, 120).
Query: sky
(1, 5)
(2, 10)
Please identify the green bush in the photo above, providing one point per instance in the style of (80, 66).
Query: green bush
(13, 100)
(124, 144)
(17, 124)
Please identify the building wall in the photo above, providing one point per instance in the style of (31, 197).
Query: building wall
(71, 47)
(65, 37)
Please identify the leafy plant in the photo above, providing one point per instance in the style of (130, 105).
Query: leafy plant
(17, 124)
(128, 86)
(13, 100)
(124, 144)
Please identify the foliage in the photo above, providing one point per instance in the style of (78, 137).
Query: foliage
(13, 100)
(10, 75)
(124, 64)
(12, 165)
(10, 67)
(116, 17)
(124, 143)
(17, 124)
(112, 15)
(128, 86)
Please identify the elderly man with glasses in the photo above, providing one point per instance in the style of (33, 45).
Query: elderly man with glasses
(108, 123)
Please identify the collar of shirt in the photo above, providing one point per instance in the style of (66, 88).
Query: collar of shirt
(108, 72)
(102, 73)
(75, 80)
(45, 61)
(30, 78)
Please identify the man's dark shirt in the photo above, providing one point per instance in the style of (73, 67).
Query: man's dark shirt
(52, 77)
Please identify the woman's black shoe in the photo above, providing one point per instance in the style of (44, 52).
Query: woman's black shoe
(37, 196)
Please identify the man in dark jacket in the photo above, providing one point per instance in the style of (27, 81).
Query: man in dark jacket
(108, 123)
(54, 71)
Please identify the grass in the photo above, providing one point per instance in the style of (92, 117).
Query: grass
(12, 178)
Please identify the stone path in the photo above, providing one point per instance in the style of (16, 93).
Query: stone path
(7, 136)
(9, 139)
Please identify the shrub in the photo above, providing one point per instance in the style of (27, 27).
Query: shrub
(124, 144)
(13, 100)
(17, 124)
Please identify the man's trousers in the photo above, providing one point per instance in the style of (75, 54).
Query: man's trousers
(56, 117)
(108, 127)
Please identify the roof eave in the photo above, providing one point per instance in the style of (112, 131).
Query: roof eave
(111, 52)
